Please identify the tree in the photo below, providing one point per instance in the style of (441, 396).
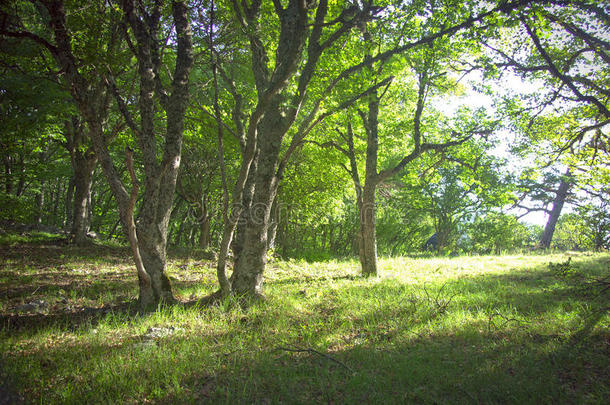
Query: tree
(92, 88)
(596, 217)
(40, 80)
(284, 91)
(496, 232)
(83, 161)
(561, 49)
(564, 45)
(588, 227)
(572, 233)
(457, 192)
(150, 242)
(429, 66)
(558, 202)
(32, 107)
(543, 194)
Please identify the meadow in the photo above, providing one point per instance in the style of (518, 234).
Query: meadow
(527, 328)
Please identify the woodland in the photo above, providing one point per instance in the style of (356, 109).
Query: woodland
(297, 201)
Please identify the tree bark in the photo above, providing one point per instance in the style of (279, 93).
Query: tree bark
(247, 194)
(247, 278)
(83, 160)
(147, 294)
(21, 182)
(152, 244)
(204, 229)
(159, 177)
(273, 226)
(40, 203)
(558, 202)
(443, 237)
(84, 166)
(69, 204)
(368, 239)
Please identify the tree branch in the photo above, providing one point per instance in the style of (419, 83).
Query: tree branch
(557, 74)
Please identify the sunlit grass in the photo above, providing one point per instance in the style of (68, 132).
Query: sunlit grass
(436, 330)
(11, 239)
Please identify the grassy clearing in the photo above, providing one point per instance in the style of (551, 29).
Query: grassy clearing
(498, 329)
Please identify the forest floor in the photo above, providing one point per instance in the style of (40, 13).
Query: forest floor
(480, 329)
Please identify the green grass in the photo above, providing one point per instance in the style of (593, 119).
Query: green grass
(34, 237)
(493, 329)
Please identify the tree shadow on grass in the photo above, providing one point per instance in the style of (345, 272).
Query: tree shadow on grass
(306, 279)
(71, 282)
(74, 318)
(66, 319)
(432, 369)
(497, 360)
(477, 361)
(456, 367)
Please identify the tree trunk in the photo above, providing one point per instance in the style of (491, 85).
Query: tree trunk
(367, 239)
(600, 238)
(69, 207)
(365, 195)
(442, 238)
(8, 178)
(246, 203)
(21, 182)
(204, 227)
(152, 243)
(247, 278)
(272, 232)
(84, 165)
(558, 202)
(40, 203)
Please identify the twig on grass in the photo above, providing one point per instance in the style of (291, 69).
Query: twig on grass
(309, 350)
(506, 320)
(602, 283)
(439, 302)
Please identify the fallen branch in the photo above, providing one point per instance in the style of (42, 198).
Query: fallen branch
(309, 350)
